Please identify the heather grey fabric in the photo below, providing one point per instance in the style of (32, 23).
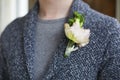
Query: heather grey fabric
(99, 60)
(47, 39)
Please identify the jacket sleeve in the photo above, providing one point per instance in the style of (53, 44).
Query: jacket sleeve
(4, 49)
(111, 68)
(1, 62)
(3, 66)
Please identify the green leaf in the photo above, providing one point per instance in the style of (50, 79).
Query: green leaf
(79, 16)
(71, 21)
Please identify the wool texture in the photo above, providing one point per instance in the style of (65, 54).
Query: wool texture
(99, 60)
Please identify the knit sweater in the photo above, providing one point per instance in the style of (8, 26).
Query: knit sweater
(47, 38)
(99, 60)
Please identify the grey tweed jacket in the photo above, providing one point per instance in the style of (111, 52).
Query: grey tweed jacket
(99, 60)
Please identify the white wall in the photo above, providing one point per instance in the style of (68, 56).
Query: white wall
(11, 9)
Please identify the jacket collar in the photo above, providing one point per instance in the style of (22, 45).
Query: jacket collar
(29, 40)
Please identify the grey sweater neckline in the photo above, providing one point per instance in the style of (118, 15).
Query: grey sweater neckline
(52, 20)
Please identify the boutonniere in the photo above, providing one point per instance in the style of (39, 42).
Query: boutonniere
(77, 35)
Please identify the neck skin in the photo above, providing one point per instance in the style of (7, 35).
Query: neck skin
(54, 9)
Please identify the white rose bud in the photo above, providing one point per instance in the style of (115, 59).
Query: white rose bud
(77, 34)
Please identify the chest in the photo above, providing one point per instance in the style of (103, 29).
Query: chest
(82, 64)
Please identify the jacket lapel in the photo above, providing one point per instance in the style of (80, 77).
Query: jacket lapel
(29, 40)
(58, 60)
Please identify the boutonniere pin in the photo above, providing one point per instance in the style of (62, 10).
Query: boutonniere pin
(77, 35)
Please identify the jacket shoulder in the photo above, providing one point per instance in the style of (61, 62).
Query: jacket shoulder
(12, 28)
(100, 21)
(12, 32)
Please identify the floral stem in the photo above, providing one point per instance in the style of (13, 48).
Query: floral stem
(69, 49)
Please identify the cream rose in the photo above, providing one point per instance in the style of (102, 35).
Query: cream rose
(77, 34)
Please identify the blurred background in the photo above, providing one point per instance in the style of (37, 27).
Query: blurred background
(11, 9)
